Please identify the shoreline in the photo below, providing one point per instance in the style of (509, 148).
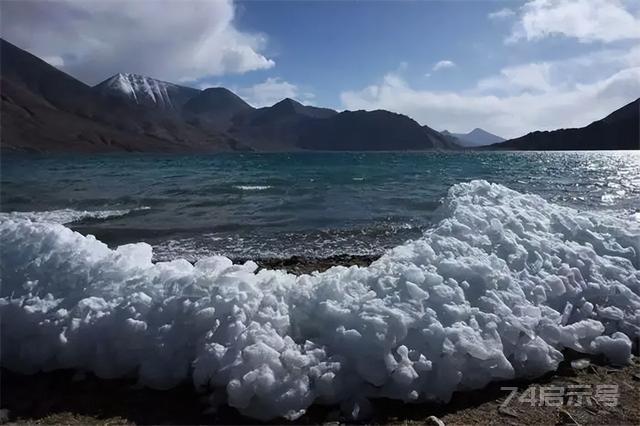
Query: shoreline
(299, 265)
(68, 397)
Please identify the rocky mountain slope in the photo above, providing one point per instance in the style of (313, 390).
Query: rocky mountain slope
(142, 90)
(618, 130)
(46, 110)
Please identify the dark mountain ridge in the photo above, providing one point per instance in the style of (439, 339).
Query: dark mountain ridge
(618, 130)
(377, 130)
(289, 106)
(147, 91)
(41, 79)
(45, 109)
(476, 137)
(214, 100)
(214, 109)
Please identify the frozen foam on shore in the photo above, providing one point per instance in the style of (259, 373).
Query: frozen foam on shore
(64, 216)
(496, 290)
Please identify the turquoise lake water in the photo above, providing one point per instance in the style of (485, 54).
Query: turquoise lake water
(279, 205)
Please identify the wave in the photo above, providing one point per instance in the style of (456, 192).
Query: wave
(64, 216)
(252, 187)
(494, 291)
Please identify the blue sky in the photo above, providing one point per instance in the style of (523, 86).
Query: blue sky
(337, 46)
(333, 46)
(507, 66)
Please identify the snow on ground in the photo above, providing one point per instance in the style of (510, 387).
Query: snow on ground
(496, 290)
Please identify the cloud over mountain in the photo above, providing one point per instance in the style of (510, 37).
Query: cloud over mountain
(518, 99)
(272, 90)
(172, 40)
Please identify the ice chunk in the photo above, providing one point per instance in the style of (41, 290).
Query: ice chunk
(616, 348)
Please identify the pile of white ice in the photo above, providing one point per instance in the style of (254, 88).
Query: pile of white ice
(496, 290)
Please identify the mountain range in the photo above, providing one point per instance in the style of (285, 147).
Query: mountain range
(476, 137)
(618, 130)
(44, 109)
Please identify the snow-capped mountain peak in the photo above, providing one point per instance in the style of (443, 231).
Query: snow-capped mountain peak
(145, 90)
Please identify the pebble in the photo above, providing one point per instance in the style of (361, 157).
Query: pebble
(567, 418)
(433, 421)
(4, 416)
(580, 364)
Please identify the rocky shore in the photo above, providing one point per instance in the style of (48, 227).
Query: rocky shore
(72, 398)
(305, 265)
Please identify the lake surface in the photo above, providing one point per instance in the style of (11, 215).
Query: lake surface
(280, 205)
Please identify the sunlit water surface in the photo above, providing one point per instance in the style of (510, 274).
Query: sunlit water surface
(279, 205)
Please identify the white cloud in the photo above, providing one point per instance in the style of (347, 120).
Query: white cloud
(271, 91)
(585, 20)
(171, 40)
(56, 61)
(207, 85)
(518, 100)
(445, 63)
(502, 14)
(527, 77)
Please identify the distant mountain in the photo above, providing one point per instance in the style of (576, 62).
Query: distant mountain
(289, 106)
(370, 130)
(52, 86)
(289, 125)
(215, 100)
(44, 109)
(275, 128)
(285, 110)
(142, 90)
(618, 130)
(476, 137)
(214, 108)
